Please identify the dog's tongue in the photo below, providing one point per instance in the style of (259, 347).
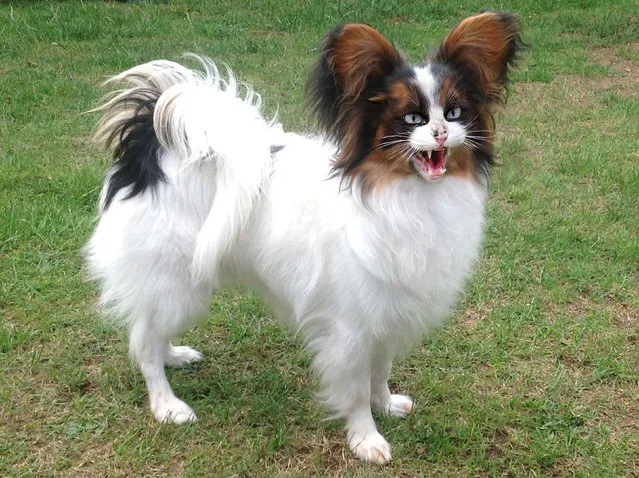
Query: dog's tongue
(435, 166)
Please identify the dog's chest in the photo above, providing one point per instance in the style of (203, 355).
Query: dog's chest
(421, 241)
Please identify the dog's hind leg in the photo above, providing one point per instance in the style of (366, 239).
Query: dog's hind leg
(149, 347)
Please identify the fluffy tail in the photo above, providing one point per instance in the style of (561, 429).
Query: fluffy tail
(195, 116)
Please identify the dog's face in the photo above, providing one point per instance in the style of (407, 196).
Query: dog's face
(425, 116)
(392, 119)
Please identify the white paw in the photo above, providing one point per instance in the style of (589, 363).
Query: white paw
(173, 411)
(179, 355)
(371, 447)
(399, 406)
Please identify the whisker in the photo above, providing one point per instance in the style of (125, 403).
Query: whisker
(398, 156)
(467, 148)
(477, 138)
(473, 120)
(472, 142)
(395, 154)
(407, 151)
(389, 143)
(402, 136)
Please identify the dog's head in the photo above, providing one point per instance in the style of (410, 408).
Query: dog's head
(392, 119)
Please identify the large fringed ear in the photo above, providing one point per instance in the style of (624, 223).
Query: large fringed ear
(486, 45)
(354, 61)
(359, 53)
(345, 85)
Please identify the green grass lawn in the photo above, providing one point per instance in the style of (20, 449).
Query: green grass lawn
(537, 372)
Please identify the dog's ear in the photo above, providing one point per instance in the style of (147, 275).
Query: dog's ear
(358, 55)
(354, 61)
(486, 45)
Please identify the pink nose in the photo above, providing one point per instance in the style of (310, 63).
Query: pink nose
(440, 133)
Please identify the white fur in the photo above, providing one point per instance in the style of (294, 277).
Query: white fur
(359, 282)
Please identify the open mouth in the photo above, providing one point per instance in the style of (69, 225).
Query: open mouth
(431, 165)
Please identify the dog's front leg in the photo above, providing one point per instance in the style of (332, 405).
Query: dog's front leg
(382, 400)
(343, 361)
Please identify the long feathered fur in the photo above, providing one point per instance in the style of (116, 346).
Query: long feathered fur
(204, 191)
(166, 110)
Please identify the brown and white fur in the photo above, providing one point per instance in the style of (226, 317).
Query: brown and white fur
(361, 240)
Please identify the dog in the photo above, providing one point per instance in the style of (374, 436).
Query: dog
(360, 239)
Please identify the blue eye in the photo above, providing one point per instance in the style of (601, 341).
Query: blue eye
(413, 118)
(453, 113)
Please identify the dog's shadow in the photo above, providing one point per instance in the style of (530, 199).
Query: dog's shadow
(253, 372)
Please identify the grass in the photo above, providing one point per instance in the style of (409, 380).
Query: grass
(536, 374)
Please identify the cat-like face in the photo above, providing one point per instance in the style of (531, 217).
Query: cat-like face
(392, 119)
(427, 117)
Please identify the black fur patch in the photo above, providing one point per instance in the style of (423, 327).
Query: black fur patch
(476, 124)
(323, 92)
(359, 117)
(136, 162)
(372, 113)
(468, 80)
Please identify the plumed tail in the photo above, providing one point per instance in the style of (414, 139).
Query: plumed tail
(127, 129)
(191, 116)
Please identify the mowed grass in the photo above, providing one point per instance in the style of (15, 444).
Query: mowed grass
(536, 373)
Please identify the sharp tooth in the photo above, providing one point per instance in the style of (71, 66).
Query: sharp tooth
(429, 153)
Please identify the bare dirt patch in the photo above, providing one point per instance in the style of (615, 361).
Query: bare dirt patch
(623, 315)
(473, 315)
(612, 58)
(626, 79)
(328, 453)
(617, 409)
(579, 90)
